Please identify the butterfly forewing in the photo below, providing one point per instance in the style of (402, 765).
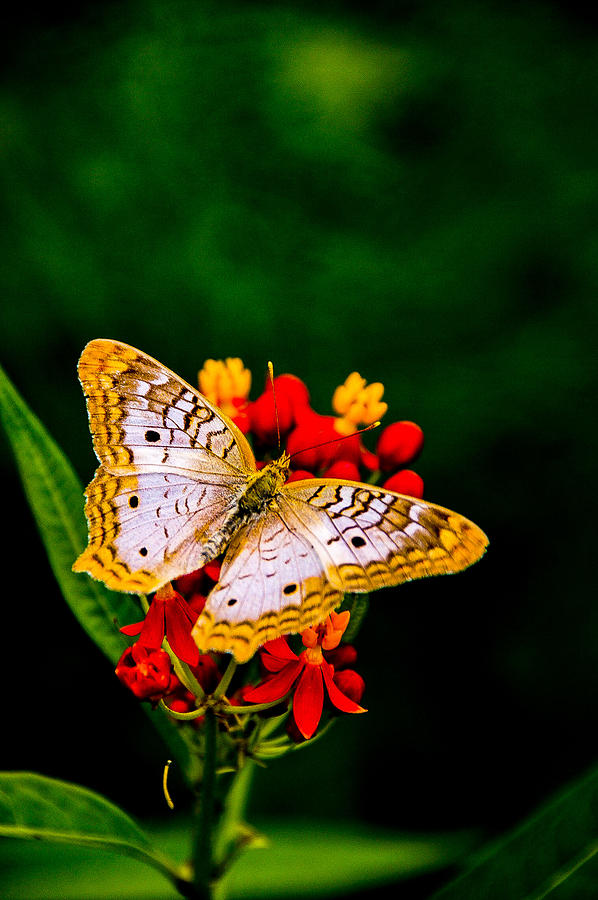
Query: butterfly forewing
(140, 412)
(172, 467)
(369, 538)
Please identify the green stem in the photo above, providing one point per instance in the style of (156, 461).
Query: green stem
(184, 717)
(232, 833)
(226, 679)
(252, 707)
(203, 849)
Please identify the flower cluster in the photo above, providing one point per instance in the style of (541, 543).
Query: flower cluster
(323, 445)
(165, 663)
(146, 668)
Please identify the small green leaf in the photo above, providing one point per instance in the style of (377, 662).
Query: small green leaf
(358, 605)
(56, 499)
(554, 854)
(33, 807)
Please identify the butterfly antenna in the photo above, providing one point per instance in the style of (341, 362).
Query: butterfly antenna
(341, 437)
(271, 376)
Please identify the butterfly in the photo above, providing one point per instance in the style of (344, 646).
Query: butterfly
(178, 486)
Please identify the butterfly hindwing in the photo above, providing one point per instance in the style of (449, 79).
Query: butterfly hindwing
(320, 539)
(272, 582)
(147, 528)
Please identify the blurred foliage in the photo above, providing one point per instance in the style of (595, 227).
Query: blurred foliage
(410, 191)
(363, 857)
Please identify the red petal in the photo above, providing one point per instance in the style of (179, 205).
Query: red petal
(343, 468)
(272, 663)
(178, 632)
(309, 700)
(299, 475)
(187, 584)
(277, 686)
(133, 629)
(212, 570)
(350, 683)
(183, 609)
(279, 649)
(345, 704)
(152, 633)
(369, 459)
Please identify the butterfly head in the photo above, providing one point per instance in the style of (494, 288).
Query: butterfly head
(281, 466)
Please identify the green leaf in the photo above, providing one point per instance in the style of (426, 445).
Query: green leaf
(358, 605)
(33, 807)
(302, 859)
(56, 499)
(311, 859)
(554, 854)
(55, 496)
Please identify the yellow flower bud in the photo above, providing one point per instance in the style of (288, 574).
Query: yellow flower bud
(358, 403)
(221, 381)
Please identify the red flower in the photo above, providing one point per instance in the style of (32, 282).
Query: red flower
(241, 418)
(146, 672)
(294, 390)
(196, 586)
(310, 674)
(406, 482)
(171, 617)
(345, 469)
(350, 683)
(369, 459)
(292, 397)
(315, 443)
(299, 475)
(399, 444)
(263, 418)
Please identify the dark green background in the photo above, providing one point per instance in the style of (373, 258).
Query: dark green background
(408, 190)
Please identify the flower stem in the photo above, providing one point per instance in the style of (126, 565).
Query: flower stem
(226, 679)
(203, 848)
(233, 834)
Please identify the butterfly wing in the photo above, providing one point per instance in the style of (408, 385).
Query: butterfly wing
(368, 537)
(272, 582)
(320, 539)
(142, 413)
(172, 465)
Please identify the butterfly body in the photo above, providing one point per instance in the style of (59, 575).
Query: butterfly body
(178, 486)
(264, 486)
